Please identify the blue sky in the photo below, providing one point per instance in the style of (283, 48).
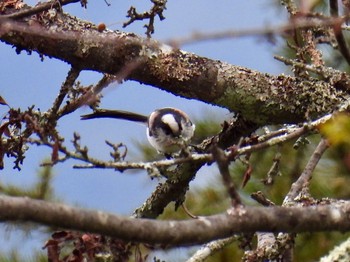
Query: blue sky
(27, 81)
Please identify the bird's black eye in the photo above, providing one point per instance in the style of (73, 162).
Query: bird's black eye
(167, 130)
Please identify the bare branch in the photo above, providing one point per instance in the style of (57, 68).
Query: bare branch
(278, 99)
(290, 6)
(39, 8)
(287, 135)
(274, 170)
(157, 10)
(339, 36)
(223, 163)
(261, 199)
(195, 231)
(323, 71)
(305, 177)
(268, 31)
(68, 84)
(210, 249)
(90, 97)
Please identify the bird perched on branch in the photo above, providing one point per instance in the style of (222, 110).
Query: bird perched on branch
(169, 130)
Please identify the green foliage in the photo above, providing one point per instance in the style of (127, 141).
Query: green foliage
(14, 256)
(42, 189)
(200, 202)
(205, 127)
(337, 130)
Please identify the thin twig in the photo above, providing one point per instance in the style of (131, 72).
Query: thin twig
(339, 36)
(223, 164)
(68, 83)
(39, 8)
(306, 175)
(188, 212)
(157, 10)
(326, 72)
(265, 240)
(287, 135)
(271, 134)
(88, 98)
(290, 6)
(261, 199)
(210, 249)
(267, 31)
(274, 170)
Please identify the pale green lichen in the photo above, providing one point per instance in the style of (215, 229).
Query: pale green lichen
(340, 253)
(266, 99)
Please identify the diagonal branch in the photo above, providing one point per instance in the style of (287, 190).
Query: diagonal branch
(278, 99)
(223, 163)
(210, 249)
(339, 35)
(306, 175)
(68, 84)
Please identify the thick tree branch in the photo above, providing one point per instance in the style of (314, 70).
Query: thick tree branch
(278, 99)
(326, 217)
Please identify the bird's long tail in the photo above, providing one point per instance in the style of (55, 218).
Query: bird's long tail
(119, 114)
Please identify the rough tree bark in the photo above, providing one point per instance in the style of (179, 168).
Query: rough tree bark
(243, 219)
(278, 99)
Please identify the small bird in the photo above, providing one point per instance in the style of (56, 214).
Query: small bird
(169, 130)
